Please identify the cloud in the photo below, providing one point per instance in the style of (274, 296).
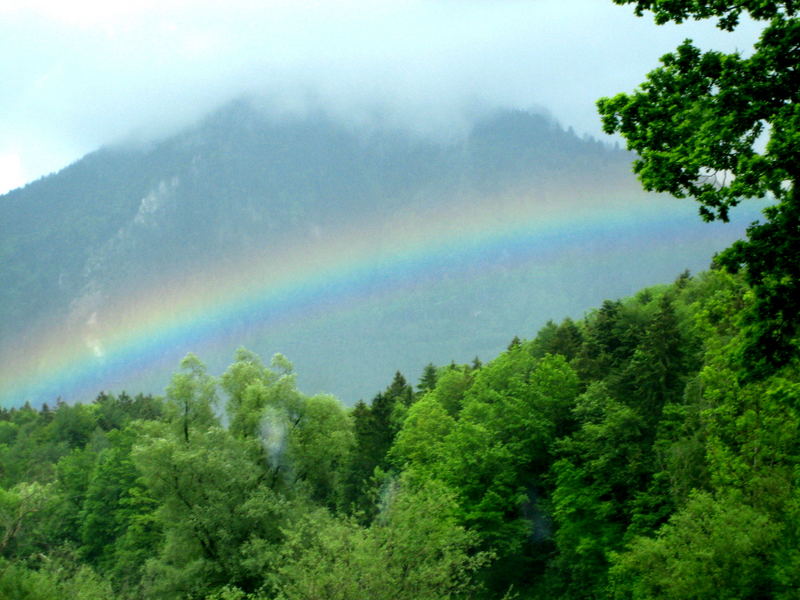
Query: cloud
(11, 172)
(81, 74)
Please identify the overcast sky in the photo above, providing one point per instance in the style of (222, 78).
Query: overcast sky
(76, 75)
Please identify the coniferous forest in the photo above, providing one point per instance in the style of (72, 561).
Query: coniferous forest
(650, 450)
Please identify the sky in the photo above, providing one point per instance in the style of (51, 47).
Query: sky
(81, 74)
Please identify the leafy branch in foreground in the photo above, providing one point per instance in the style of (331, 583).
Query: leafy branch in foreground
(720, 127)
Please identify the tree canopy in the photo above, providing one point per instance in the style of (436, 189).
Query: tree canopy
(729, 12)
(722, 127)
(618, 457)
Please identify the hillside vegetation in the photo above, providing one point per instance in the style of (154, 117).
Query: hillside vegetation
(623, 456)
(241, 192)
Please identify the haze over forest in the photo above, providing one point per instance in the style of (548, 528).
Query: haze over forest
(375, 77)
(355, 252)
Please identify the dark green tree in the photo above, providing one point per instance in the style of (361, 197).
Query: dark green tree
(609, 341)
(656, 372)
(428, 380)
(399, 390)
(361, 464)
(374, 428)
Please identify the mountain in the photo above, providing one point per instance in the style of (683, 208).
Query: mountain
(352, 250)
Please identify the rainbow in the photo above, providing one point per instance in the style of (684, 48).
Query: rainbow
(327, 272)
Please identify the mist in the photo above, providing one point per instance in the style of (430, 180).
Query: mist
(81, 75)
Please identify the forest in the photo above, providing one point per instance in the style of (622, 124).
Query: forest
(621, 456)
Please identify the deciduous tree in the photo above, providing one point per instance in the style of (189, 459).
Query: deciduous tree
(721, 127)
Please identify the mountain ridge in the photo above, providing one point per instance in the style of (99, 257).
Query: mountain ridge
(134, 221)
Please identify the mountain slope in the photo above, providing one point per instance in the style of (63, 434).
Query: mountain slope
(320, 240)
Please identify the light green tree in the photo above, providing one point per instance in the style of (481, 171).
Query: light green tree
(191, 398)
(420, 441)
(19, 509)
(713, 548)
(414, 550)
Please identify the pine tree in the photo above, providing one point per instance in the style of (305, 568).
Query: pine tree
(428, 380)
